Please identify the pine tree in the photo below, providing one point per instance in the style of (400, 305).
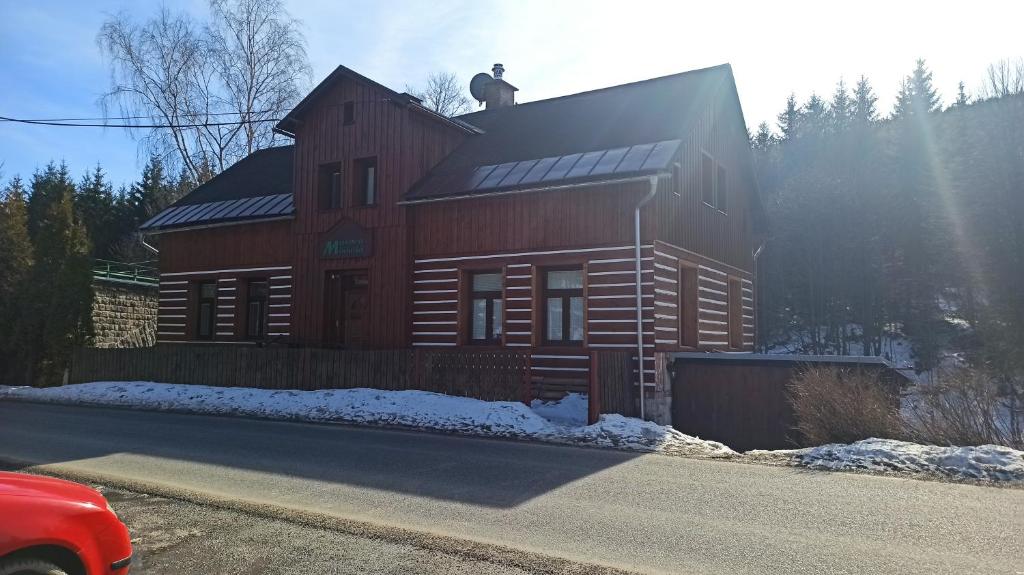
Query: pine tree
(763, 139)
(962, 99)
(15, 265)
(815, 115)
(56, 305)
(789, 119)
(841, 108)
(863, 108)
(917, 96)
(97, 208)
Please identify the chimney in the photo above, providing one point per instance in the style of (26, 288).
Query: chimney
(498, 93)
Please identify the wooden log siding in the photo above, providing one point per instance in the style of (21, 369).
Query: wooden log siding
(438, 319)
(176, 314)
(488, 375)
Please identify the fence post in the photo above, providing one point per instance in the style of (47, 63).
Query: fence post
(594, 389)
(527, 392)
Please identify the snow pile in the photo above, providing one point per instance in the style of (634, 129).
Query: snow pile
(557, 422)
(570, 411)
(985, 462)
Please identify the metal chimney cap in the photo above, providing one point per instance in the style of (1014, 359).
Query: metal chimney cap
(498, 70)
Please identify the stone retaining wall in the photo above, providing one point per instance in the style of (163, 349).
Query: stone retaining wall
(124, 315)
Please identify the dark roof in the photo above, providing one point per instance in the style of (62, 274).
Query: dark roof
(288, 123)
(258, 186)
(646, 112)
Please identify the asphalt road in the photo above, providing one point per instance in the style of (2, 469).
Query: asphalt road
(649, 513)
(172, 537)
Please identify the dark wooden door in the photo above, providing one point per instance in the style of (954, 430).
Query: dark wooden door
(345, 308)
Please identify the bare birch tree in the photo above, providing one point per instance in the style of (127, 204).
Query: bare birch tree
(208, 92)
(444, 93)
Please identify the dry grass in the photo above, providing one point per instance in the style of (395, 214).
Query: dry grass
(843, 406)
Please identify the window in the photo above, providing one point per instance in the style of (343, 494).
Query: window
(720, 189)
(366, 171)
(707, 180)
(206, 311)
(563, 306)
(256, 309)
(688, 306)
(330, 186)
(735, 314)
(349, 112)
(486, 308)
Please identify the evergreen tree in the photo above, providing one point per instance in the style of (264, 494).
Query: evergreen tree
(56, 307)
(789, 119)
(815, 116)
(763, 139)
(97, 208)
(15, 265)
(917, 96)
(841, 108)
(863, 108)
(962, 99)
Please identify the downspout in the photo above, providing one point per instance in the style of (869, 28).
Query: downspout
(142, 240)
(639, 291)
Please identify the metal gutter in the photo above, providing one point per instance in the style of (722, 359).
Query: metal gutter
(218, 225)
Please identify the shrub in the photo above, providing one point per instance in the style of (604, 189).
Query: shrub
(965, 407)
(842, 406)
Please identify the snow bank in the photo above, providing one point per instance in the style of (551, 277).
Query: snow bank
(557, 422)
(985, 462)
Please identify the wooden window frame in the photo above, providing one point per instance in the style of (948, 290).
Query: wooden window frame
(721, 192)
(265, 309)
(688, 310)
(473, 295)
(361, 197)
(566, 296)
(200, 301)
(705, 193)
(329, 176)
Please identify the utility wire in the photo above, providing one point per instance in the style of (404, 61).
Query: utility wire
(144, 126)
(150, 116)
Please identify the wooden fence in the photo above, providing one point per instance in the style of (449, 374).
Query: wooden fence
(487, 375)
(611, 384)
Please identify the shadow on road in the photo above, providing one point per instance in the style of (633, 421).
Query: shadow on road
(491, 473)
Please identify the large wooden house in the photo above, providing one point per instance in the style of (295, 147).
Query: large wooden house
(623, 217)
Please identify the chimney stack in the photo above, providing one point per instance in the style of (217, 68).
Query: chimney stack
(498, 93)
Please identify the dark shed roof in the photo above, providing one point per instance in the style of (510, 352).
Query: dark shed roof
(258, 186)
(647, 112)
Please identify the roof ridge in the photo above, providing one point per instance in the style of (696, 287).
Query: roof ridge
(724, 66)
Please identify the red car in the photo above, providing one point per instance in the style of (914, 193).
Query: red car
(54, 527)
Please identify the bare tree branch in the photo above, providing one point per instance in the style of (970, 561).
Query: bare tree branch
(249, 60)
(444, 94)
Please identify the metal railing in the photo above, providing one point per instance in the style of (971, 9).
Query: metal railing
(141, 273)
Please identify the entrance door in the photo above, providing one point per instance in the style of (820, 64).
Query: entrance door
(345, 299)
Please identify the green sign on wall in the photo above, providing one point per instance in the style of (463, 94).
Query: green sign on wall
(346, 240)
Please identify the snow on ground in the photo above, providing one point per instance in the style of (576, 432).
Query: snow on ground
(984, 462)
(556, 422)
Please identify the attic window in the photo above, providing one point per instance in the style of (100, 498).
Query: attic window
(707, 180)
(329, 186)
(349, 114)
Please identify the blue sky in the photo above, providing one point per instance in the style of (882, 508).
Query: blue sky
(50, 65)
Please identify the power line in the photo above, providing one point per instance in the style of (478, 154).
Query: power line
(131, 126)
(150, 116)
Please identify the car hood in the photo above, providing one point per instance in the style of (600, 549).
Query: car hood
(22, 485)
